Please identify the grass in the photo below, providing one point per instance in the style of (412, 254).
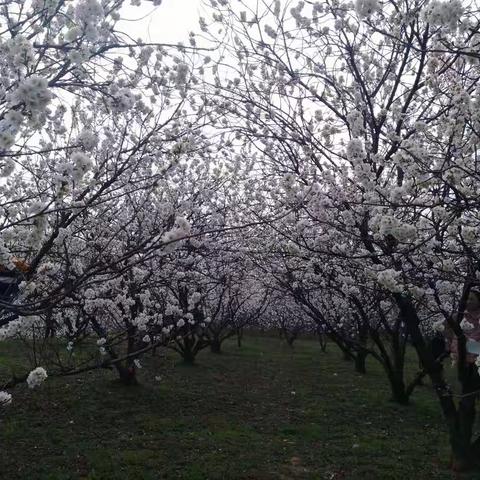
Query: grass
(262, 412)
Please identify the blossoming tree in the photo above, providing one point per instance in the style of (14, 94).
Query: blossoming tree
(93, 125)
(366, 112)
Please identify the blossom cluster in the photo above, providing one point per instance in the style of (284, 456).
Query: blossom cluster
(36, 377)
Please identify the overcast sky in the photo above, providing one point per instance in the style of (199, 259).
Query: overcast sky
(171, 22)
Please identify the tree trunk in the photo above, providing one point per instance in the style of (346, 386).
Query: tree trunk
(399, 392)
(127, 375)
(239, 338)
(188, 350)
(465, 454)
(360, 358)
(323, 342)
(188, 355)
(216, 346)
(459, 420)
(347, 356)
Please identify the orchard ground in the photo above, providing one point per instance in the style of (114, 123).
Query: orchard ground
(262, 412)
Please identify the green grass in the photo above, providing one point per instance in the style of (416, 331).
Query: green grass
(261, 412)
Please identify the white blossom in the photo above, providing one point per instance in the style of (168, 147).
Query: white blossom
(439, 326)
(355, 122)
(390, 279)
(466, 325)
(33, 91)
(365, 8)
(5, 398)
(36, 377)
(444, 13)
(137, 363)
(355, 150)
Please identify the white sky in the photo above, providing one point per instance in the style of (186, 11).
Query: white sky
(171, 22)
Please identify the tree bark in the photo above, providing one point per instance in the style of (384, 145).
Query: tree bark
(323, 342)
(347, 356)
(465, 454)
(188, 357)
(360, 358)
(127, 375)
(216, 346)
(239, 338)
(399, 391)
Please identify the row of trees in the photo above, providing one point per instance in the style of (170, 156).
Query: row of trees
(364, 120)
(313, 167)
